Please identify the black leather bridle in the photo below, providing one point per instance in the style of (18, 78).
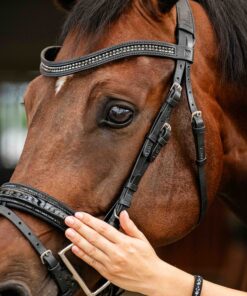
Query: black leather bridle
(36, 203)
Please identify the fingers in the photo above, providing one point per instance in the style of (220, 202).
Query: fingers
(129, 227)
(87, 238)
(86, 247)
(101, 227)
(89, 260)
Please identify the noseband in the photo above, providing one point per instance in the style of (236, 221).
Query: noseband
(54, 212)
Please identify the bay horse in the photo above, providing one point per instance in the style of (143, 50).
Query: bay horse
(86, 129)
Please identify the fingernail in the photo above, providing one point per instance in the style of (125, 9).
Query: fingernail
(79, 215)
(69, 220)
(126, 213)
(70, 233)
(75, 249)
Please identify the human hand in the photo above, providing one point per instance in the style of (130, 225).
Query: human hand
(127, 260)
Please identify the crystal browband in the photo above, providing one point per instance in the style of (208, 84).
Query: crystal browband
(135, 48)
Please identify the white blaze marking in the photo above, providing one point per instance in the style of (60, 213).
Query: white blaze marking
(61, 82)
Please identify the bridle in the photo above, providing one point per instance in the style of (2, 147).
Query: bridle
(54, 212)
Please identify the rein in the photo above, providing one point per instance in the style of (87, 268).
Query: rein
(47, 208)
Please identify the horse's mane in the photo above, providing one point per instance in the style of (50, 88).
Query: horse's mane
(229, 19)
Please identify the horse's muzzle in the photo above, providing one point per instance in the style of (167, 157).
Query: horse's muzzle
(12, 288)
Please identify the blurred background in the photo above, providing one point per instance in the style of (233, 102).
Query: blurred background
(217, 249)
(26, 27)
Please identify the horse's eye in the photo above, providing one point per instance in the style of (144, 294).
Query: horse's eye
(119, 115)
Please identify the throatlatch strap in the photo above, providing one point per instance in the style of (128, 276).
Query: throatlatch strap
(198, 128)
(186, 36)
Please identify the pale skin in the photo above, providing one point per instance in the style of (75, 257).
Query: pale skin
(129, 261)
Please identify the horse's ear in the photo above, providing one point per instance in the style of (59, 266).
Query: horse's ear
(65, 4)
(166, 5)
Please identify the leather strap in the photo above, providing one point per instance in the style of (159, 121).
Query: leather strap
(157, 138)
(185, 17)
(198, 128)
(61, 276)
(36, 203)
(186, 37)
(129, 49)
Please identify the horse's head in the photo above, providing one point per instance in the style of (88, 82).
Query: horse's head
(86, 129)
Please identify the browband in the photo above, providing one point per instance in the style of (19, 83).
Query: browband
(117, 52)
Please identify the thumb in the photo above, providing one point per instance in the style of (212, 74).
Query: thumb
(129, 226)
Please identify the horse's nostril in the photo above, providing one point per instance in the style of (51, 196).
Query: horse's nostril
(11, 292)
(13, 289)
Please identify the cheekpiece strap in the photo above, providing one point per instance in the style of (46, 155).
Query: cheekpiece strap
(155, 141)
(185, 17)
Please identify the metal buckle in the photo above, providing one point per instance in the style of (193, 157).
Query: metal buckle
(115, 214)
(177, 86)
(167, 126)
(47, 252)
(196, 114)
(77, 277)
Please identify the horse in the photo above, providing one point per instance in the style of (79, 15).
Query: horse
(86, 129)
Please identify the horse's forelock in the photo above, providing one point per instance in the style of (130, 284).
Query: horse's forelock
(91, 18)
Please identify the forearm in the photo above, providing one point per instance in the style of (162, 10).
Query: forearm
(170, 281)
(210, 289)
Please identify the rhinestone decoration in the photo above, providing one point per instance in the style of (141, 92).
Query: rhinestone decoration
(198, 286)
(32, 202)
(110, 55)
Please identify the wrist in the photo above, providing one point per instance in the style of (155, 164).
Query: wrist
(170, 281)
